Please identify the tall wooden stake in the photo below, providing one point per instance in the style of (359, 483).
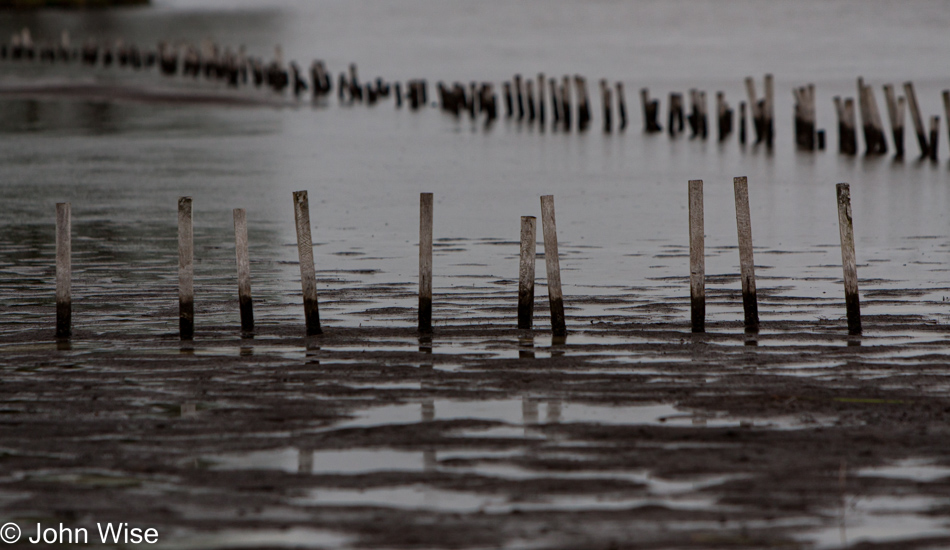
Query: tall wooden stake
(846, 230)
(526, 272)
(425, 262)
(243, 270)
(555, 297)
(308, 280)
(746, 265)
(697, 269)
(63, 270)
(186, 270)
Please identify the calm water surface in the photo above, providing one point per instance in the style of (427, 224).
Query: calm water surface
(621, 198)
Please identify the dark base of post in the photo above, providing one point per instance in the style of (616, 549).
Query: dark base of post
(247, 315)
(558, 326)
(312, 313)
(425, 315)
(526, 310)
(751, 307)
(698, 314)
(64, 318)
(186, 323)
(853, 306)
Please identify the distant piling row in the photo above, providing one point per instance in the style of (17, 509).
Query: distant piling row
(558, 104)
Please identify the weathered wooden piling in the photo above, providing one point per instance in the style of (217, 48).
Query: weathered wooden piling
(64, 306)
(934, 137)
(651, 108)
(425, 262)
(622, 107)
(556, 299)
(847, 136)
(519, 96)
(186, 270)
(526, 272)
(750, 303)
(606, 100)
(895, 113)
(308, 280)
(697, 269)
(243, 270)
(916, 118)
(742, 135)
(846, 231)
(946, 110)
(675, 120)
(529, 95)
(508, 104)
(820, 134)
(805, 117)
(769, 111)
(541, 85)
(875, 143)
(566, 103)
(555, 104)
(397, 91)
(723, 116)
(583, 104)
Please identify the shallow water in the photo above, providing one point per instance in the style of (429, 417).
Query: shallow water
(621, 212)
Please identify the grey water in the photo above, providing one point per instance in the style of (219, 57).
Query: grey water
(620, 197)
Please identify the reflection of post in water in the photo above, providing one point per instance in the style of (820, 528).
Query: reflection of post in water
(430, 461)
(312, 351)
(526, 347)
(529, 410)
(556, 345)
(554, 411)
(425, 347)
(304, 461)
(842, 501)
(428, 410)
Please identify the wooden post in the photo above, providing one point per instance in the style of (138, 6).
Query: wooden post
(555, 105)
(746, 265)
(425, 262)
(753, 110)
(916, 119)
(769, 113)
(552, 264)
(541, 84)
(846, 230)
(946, 109)
(622, 107)
(526, 272)
(508, 106)
(675, 119)
(606, 99)
(308, 280)
(566, 103)
(519, 96)
(186, 270)
(742, 136)
(697, 270)
(934, 135)
(243, 270)
(529, 93)
(64, 313)
(895, 113)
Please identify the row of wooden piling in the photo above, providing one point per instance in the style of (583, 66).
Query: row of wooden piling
(527, 260)
(873, 127)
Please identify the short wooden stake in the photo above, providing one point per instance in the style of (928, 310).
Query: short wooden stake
(526, 272)
(622, 107)
(63, 270)
(846, 230)
(555, 297)
(186, 270)
(697, 269)
(946, 109)
(750, 303)
(541, 84)
(308, 280)
(425, 262)
(895, 112)
(916, 119)
(934, 137)
(243, 270)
